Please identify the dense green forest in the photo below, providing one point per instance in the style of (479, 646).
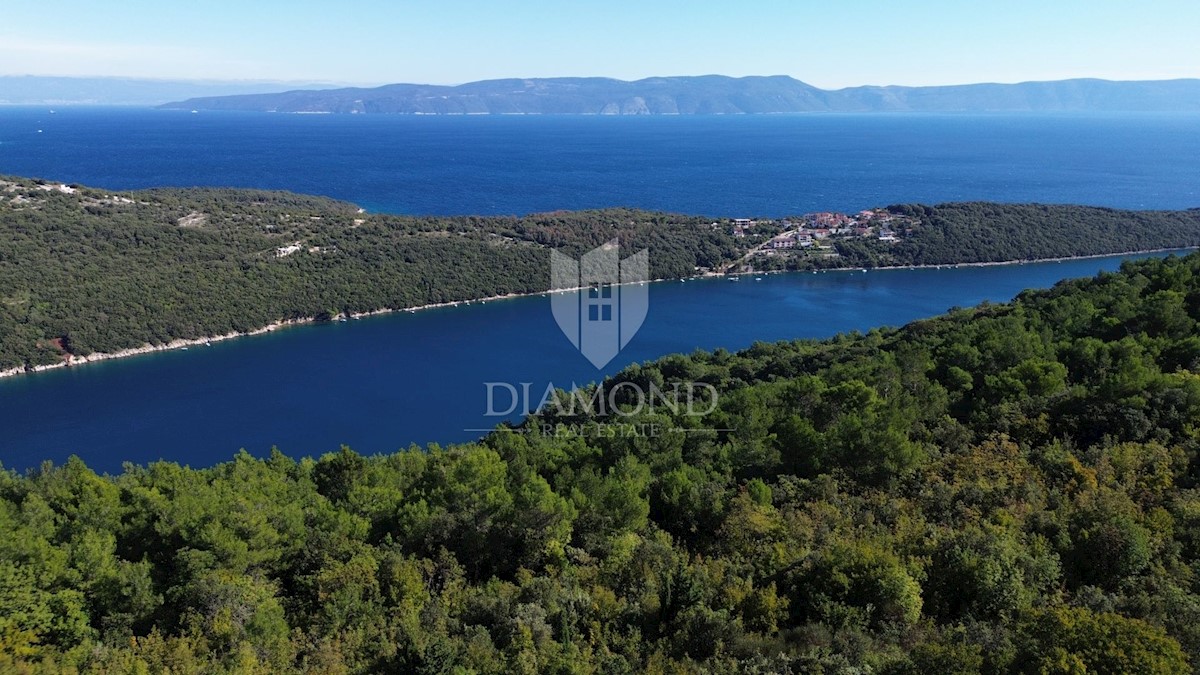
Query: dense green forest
(95, 271)
(978, 232)
(1006, 489)
(103, 271)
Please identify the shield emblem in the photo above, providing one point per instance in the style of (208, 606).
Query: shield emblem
(600, 301)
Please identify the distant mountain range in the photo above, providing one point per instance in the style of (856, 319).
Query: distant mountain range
(62, 91)
(712, 95)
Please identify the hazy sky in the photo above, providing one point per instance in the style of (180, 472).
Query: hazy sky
(827, 43)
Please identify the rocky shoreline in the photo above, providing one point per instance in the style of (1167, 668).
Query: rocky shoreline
(72, 360)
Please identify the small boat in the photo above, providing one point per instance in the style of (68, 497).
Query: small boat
(194, 112)
(758, 278)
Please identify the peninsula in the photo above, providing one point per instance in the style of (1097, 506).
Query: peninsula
(87, 274)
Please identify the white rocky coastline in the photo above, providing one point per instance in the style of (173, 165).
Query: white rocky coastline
(72, 360)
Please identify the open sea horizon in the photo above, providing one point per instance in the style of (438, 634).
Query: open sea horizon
(382, 383)
(743, 165)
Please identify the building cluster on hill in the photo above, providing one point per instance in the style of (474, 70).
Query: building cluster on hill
(814, 229)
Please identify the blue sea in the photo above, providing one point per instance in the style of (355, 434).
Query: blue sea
(769, 165)
(383, 383)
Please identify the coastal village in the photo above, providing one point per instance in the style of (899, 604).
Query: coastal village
(814, 234)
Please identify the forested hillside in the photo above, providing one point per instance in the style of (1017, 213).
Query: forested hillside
(85, 270)
(988, 232)
(981, 232)
(94, 271)
(1008, 489)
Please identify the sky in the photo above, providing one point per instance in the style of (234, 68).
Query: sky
(827, 43)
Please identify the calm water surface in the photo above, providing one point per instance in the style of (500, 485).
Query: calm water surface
(741, 165)
(382, 383)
